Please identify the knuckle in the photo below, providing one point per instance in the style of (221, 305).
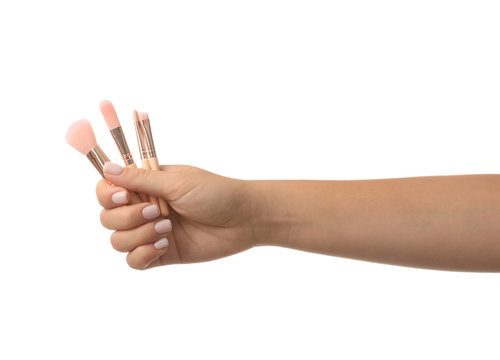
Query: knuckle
(138, 259)
(99, 190)
(115, 241)
(143, 259)
(133, 263)
(103, 219)
(129, 217)
(143, 173)
(143, 176)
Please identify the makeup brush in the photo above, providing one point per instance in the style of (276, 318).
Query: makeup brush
(81, 137)
(148, 152)
(109, 114)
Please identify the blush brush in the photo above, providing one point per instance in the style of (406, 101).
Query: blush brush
(80, 136)
(109, 113)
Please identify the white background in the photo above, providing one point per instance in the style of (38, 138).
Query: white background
(248, 89)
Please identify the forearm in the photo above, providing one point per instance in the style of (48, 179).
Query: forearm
(439, 222)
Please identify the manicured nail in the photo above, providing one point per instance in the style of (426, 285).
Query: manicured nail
(112, 168)
(151, 211)
(163, 226)
(160, 244)
(119, 197)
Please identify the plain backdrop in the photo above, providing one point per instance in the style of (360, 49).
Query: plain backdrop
(252, 90)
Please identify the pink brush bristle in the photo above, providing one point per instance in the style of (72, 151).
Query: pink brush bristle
(81, 136)
(109, 113)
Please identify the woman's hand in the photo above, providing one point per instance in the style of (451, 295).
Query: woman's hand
(209, 217)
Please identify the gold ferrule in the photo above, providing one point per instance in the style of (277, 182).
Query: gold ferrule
(97, 157)
(149, 137)
(140, 140)
(121, 142)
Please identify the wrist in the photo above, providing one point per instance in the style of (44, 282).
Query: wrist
(270, 218)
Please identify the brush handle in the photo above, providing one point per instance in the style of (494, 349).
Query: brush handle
(162, 203)
(147, 166)
(142, 197)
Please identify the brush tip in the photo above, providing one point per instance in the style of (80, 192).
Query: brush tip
(109, 113)
(143, 116)
(136, 115)
(81, 136)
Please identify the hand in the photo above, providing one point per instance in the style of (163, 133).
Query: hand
(209, 217)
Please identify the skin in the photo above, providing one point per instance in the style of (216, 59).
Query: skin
(434, 222)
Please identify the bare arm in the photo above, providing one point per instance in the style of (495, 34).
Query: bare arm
(438, 222)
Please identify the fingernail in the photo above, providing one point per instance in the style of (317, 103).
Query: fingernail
(163, 226)
(119, 197)
(151, 211)
(112, 168)
(160, 244)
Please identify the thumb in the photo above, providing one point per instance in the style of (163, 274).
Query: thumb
(141, 180)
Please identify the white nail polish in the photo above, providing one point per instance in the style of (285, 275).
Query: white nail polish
(151, 211)
(160, 244)
(119, 197)
(163, 226)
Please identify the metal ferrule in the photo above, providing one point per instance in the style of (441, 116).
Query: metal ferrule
(97, 157)
(141, 141)
(121, 142)
(149, 137)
